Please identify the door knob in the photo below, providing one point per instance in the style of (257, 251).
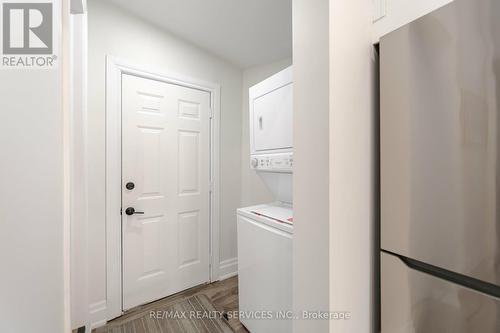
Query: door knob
(131, 211)
(130, 186)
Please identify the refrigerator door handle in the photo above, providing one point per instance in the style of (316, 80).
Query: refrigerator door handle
(460, 279)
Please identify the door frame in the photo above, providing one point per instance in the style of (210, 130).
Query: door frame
(115, 68)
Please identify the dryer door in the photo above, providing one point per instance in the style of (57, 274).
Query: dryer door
(272, 120)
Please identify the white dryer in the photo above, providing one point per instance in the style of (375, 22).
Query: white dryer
(271, 126)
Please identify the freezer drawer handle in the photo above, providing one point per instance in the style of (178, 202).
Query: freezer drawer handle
(460, 279)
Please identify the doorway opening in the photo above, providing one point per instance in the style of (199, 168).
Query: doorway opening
(162, 184)
(119, 43)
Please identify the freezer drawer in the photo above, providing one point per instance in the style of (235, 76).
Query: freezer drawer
(415, 302)
(440, 139)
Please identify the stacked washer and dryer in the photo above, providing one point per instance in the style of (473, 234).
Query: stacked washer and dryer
(265, 232)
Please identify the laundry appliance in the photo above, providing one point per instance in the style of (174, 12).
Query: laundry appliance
(265, 232)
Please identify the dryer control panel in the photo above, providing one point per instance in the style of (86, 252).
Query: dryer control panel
(272, 162)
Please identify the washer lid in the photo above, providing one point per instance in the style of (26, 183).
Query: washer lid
(275, 215)
(281, 213)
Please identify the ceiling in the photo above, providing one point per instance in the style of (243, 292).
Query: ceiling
(244, 32)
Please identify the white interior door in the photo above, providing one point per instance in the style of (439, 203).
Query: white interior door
(166, 154)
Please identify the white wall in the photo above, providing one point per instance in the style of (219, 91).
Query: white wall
(334, 171)
(117, 33)
(353, 153)
(311, 172)
(401, 12)
(32, 206)
(78, 167)
(253, 190)
(353, 169)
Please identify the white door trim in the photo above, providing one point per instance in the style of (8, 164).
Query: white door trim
(114, 70)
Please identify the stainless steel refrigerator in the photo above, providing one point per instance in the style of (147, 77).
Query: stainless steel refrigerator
(440, 172)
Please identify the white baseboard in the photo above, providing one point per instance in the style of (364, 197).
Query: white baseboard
(228, 268)
(97, 314)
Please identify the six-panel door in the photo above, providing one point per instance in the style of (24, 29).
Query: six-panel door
(166, 154)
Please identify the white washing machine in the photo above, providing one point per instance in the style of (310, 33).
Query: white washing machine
(265, 267)
(265, 232)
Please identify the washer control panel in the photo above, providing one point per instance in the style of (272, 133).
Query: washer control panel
(272, 162)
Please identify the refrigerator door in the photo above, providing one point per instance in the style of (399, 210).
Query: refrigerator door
(440, 99)
(414, 302)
